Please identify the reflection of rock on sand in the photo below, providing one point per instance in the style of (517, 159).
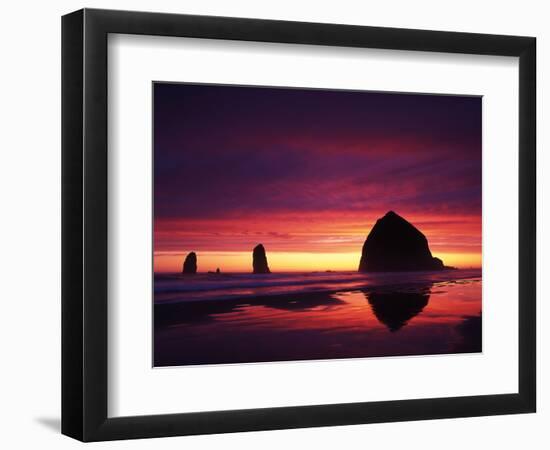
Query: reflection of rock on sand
(206, 311)
(395, 309)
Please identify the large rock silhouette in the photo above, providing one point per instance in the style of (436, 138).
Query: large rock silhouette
(190, 263)
(394, 244)
(259, 260)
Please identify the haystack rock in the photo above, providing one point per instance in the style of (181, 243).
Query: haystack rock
(396, 245)
(259, 260)
(190, 263)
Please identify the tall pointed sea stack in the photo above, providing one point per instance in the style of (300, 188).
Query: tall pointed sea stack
(259, 260)
(394, 244)
(190, 263)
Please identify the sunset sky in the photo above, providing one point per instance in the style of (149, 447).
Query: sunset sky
(307, 173)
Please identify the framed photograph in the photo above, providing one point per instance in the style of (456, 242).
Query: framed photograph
(272, 224)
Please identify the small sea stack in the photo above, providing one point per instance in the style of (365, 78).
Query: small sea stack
(190, 264)
(259, 260)
(394, 244)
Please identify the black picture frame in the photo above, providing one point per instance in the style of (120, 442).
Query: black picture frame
(84, 224)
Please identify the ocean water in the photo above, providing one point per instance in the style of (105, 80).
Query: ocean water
(244, 318)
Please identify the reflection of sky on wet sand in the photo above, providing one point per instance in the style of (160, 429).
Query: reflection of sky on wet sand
(443, 317)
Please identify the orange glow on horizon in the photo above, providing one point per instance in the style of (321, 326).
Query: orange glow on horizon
(296, 243)
(289, 261)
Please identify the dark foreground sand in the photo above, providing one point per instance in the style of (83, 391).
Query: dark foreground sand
(410, 319)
